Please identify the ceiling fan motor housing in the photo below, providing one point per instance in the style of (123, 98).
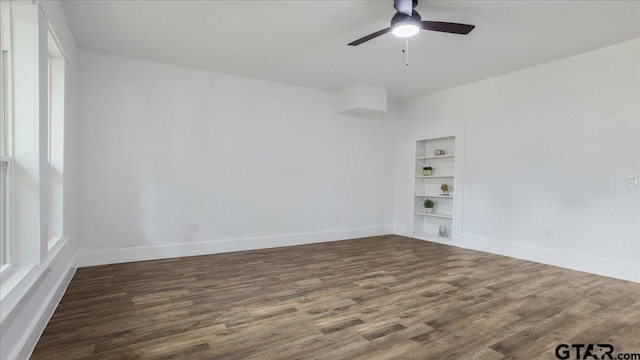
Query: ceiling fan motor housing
(401, 18)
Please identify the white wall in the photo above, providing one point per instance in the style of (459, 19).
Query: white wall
(260, 164)
(547, 148)
(34, 293)
(254, 163)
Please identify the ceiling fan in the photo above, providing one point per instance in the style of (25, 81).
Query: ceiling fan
(407, 22)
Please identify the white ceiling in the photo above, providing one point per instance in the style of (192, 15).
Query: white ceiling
(305, 42)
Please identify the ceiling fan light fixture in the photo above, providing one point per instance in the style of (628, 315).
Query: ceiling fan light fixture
(406, 22)
(405, 29)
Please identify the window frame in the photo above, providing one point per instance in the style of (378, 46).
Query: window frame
(56, 116)
(6, 143)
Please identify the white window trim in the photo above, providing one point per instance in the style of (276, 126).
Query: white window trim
(63, 54)
(55, 53)
(6, 142)
(5, 269)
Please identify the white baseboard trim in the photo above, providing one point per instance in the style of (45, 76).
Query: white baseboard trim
(129, 254)
(36, 328)
(565, 259)
(29, 305)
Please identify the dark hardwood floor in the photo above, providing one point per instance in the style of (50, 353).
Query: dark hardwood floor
(374, 298)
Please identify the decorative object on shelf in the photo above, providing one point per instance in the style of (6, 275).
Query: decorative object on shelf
(438, 152)
(428, 206)
(442, 232)
(445, 189)
(427, 171)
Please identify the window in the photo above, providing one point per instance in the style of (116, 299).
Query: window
(55, 146)
(31, 147)
(20, 155)
(28, 133)
(5, 137)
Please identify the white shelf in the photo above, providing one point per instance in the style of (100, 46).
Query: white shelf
(436, 157)
(436, 215)
(436, 176)
(436, 196)
(432, 237)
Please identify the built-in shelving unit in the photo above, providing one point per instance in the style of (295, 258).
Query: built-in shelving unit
(428, 225)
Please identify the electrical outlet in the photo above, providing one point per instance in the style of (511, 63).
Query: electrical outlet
(632, 180)
(549, 234)
(195, 227)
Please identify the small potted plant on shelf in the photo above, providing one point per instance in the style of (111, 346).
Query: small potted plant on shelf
(428, 206)
(445, 189)
(427, 171)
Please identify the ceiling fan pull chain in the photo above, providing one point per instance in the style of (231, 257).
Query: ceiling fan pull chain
(406, 53)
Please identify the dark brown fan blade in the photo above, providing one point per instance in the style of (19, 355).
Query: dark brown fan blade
(369, 37)
(453, 28)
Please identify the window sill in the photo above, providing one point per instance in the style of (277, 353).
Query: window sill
(55, 243)
(22, 281)
(12, 283)
(4, 270)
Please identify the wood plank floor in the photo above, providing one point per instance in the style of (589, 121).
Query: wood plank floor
(374, 298)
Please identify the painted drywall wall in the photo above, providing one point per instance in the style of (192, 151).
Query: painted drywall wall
(547, 149)
(28, 306)
(248, 163)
